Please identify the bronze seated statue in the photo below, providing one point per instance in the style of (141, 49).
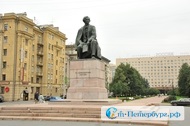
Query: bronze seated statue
(86, 43)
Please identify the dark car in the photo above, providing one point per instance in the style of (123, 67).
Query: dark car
(55, 98)
(1, 98)
(46, 98)
(181, 102)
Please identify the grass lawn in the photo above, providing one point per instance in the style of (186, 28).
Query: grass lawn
(118, 98)
(124, 98)
(178, 97)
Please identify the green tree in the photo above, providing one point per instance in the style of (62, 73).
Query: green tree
(119, 86)
(128, 81)
(153, 91)
(184, 80)
(174, 92)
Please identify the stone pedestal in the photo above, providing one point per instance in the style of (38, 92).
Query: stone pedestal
(87, 80)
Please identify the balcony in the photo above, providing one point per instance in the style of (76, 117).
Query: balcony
(40, 53)
(40, 43)
(58, 46)
(1, 31)
(39, 73)
(39, 63)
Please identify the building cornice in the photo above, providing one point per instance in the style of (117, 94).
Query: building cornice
(56, 32)
(14, 16)
(26, 20)
(25, 33)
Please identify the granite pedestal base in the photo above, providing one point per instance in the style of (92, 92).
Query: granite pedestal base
(87, 80)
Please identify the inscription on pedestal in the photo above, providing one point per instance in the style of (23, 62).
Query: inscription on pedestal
(83, 74)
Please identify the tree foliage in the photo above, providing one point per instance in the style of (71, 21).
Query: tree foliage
(128, 82)
(184, 80)
(153, 91)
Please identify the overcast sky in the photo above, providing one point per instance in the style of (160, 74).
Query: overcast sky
(125, 28)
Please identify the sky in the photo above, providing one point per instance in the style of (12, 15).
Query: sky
(125, 28)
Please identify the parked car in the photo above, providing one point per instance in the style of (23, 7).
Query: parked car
(55, 98)
(1, 98)
(131, 98)
(46, 98)
(181, 102)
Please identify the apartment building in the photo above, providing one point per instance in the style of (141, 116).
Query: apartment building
(161, 71)
(32, 58)
(112, 68)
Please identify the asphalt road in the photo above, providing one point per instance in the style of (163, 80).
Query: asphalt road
(17, 102)
(55, 123)
(186, 122)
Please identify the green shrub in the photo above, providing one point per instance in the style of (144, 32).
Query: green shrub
(170, 98)
(137, 97)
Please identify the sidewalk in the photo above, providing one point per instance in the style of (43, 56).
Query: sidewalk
(139, 102)
(145, 101)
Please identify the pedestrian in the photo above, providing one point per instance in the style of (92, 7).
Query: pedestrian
(36, 95)
(41, 98)
(65, 96)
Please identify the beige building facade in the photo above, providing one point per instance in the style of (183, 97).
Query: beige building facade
(112, 68)
(160, 71)
(32, 58)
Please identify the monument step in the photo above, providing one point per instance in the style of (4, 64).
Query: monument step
(51, 111)
(34, 111)
(67, 108)
(52, 115)
(146, 123)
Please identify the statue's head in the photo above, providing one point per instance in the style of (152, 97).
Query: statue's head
(86, 18)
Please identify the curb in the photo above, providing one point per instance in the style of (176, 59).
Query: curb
(84, 120)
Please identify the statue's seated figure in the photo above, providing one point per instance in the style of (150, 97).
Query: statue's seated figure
(86, 42)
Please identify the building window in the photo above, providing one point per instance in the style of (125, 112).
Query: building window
(51, 56)
(32, 58)
(57, 52)
(49, 46)
(32, 47)
(4, 52)
(25, 66)
(32, 79)
(26, 42)
(6, 27)
(5, 39)
(4, 77)
(49, 36)
(37, 80)
(32, 90)
(25, 54)
(4, 64)
(2, 90)
(49, 76)
(32, 68)
(26, 29)
(39, 39)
